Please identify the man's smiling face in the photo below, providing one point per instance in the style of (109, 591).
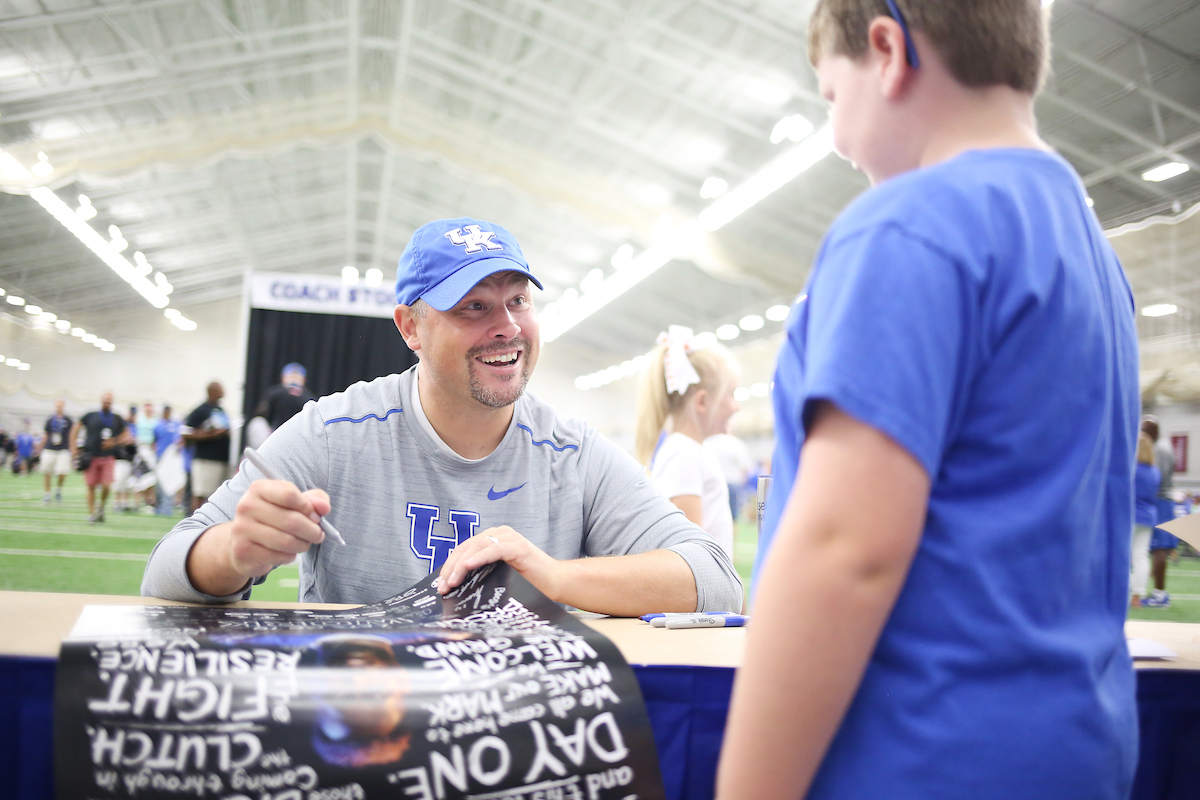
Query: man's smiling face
(486, 346)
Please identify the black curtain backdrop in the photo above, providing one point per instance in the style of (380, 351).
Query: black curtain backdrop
(336, 350)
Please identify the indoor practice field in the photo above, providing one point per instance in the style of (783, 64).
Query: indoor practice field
(54, 549)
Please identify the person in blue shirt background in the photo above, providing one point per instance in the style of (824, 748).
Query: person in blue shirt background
(27, 447)
(1146, 479)
(166, 433)
(940, 602)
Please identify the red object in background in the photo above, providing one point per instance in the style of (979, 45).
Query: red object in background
(1179, 442)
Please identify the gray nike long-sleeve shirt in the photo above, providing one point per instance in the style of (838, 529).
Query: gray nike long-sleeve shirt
(403, 503)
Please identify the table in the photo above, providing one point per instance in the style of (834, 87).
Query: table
(685, 676)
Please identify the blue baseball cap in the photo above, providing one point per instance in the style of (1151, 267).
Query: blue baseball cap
(294, 367)
(444, 259)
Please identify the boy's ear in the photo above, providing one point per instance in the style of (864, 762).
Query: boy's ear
(406, 323)
(886, 48)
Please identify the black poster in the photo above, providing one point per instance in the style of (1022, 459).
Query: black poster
(491, 692)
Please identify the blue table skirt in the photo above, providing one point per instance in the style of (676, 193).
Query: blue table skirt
(687, 707)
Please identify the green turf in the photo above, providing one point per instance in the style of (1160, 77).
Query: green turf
(55, 549)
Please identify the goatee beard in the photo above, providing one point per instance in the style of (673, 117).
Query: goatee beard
(493, 398)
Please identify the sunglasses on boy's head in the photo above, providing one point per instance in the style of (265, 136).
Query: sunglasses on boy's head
(910, 49)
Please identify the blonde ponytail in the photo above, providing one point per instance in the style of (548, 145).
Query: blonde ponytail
(653, 407)
(716, 368)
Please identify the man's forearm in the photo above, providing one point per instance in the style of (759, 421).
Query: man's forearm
(628, 586)
(208, 566)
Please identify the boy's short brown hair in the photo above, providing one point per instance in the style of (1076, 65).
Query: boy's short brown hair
(982, 42)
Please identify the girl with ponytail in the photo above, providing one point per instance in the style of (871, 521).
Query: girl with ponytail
(687, 392)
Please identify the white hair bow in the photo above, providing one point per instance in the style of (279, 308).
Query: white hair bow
(677, 368)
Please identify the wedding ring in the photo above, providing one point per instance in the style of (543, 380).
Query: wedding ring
(494, 540)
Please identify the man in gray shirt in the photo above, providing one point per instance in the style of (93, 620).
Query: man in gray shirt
(447, 467)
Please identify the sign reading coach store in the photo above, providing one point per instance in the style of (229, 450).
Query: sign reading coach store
(320, 294)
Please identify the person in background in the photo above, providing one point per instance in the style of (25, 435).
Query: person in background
(123, 466)
(56, 450)
(1146, 479)
(147, 421)
(736, 465)
(691, 388)
(946, 540)
(102, 432)
(1162, 544)
(284, 400)
(6, 447)
(27, 446)
(166, 436)
(209, 437)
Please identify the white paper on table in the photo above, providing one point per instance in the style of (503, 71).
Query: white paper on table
(1148, 648)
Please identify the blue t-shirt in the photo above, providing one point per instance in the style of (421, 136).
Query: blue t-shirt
(974, 312)
(166, 433)
(24, 445)
(1146, 479)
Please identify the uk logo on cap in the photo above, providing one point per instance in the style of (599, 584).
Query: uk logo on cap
(474, 239)
(444, 260)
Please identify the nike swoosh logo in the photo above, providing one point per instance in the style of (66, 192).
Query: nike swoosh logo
(494, 495)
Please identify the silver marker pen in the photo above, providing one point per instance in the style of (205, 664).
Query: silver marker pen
(268, 473)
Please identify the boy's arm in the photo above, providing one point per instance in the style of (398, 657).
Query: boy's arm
(838, 562)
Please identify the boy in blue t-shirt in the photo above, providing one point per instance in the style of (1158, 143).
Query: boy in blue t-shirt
(956, 409)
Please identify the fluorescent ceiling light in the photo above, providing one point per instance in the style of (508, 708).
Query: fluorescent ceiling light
(350, 275)
(33, 309)
(793, 128)
(86, 210)
(590, 281)
(374, 277)
(741, 394)
(107, 251)
(713, 188)
(78, 332)
(12, 362)
(63, 326)
(760, 390)
(13, 300)
(778, 172)
(778, 313)
(571, 309)
(1165, 171)
(751, 322)
(1159, 310)
(23, 367)
(728, 332)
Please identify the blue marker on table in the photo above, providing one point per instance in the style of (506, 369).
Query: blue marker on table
(269, 473)
(707, 621)
(660, 615)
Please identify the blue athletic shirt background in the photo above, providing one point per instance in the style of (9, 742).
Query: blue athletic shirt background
(974, 312)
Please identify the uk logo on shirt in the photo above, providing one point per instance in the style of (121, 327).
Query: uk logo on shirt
(426, 544)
